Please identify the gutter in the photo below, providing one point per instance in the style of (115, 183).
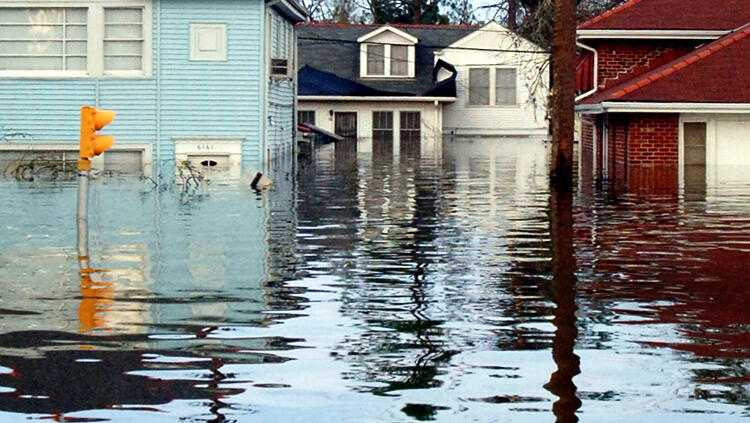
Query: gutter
(402, 99)
(647, 107)
(595, 72)
(651, 34)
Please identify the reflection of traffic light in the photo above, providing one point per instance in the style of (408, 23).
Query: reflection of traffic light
(95, 300)
(93, 120)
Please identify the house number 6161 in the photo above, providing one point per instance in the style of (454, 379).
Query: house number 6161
(205, 147)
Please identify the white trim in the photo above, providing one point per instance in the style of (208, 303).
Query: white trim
(410, 64)
(402, 34)
(145, 148)
(651, 34)
(95, 39)
(374, 98)
(645, 107)
(196, 30)
(595, 72)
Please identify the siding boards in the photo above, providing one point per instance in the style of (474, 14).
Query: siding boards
(211, 99)
(280, 131)
(198, 99)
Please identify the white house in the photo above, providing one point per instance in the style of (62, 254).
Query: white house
(402, 88)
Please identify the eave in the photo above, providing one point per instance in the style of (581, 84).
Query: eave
(648, 107)
(650, 34)
(375, 98)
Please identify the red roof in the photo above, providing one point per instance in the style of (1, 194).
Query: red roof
(674, 15)
(714, 73)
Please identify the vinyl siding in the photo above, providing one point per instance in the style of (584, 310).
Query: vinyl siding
(280, 130)
(532, 70)
(211, 99)
(198, 99)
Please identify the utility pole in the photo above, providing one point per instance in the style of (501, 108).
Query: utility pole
(563, 93)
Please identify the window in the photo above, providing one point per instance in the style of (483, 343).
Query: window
(208, 42)
(387, 52)
(492, 86)
(123, 39)
(387, 60)
(375, 59)
(399, 60)
(505, 86)
(479, 86)
(56, 41)
(411, 123)
(382, 127)
(306, 116)
(43, 39)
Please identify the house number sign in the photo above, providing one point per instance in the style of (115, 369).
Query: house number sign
(205, 147)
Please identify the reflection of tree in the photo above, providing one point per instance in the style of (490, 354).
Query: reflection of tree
(67, 381)
(564, 291)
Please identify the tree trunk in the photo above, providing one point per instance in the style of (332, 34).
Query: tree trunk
(513, 15)
(563, 93)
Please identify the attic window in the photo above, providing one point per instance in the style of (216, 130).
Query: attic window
(387, 52)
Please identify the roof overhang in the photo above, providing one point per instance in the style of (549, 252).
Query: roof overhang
(647, 107)
(294, 11)
(650, 34)
(404, 99)
(406, 36)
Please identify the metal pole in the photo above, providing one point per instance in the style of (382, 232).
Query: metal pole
(83, 228)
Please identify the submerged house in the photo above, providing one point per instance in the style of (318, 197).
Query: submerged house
(666, 95)
(404, 87)
(210, 81)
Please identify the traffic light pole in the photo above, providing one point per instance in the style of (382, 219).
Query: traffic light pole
(83, 213)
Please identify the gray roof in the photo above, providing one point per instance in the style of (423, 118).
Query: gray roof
(333, 48)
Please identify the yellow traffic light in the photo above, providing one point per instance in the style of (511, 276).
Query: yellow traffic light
(93, 120)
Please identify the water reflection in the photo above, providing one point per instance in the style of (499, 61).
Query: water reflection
(383, 289)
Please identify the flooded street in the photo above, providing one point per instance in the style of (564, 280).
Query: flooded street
(375, 289)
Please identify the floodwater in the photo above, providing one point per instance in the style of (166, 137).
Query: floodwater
(386, 290)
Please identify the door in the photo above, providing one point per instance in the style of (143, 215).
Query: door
(694, 135)
(346, 124)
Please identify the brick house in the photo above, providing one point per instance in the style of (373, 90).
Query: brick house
(664, 91)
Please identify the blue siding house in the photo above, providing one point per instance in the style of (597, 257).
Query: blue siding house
(189, 79)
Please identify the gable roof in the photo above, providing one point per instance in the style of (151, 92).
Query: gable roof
(714, 73)
(673, 15)
(402, 34)
(333, 48)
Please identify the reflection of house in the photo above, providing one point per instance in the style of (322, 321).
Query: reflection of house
(667, 89)
(192, 78)
(401, 87)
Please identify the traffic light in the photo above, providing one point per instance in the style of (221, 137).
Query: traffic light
(93, 120)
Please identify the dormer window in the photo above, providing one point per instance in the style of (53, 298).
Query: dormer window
(387, 53)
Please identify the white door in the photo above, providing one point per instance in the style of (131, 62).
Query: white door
(731, 160)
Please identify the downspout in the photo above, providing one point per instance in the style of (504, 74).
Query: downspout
(596, 71)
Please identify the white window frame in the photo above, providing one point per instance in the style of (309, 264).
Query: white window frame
(493, 87)
(95, 38)
(410, 64)
(405, 40)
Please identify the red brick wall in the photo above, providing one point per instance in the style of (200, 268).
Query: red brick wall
(653, 139)
(623, 60)
(588, 126)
